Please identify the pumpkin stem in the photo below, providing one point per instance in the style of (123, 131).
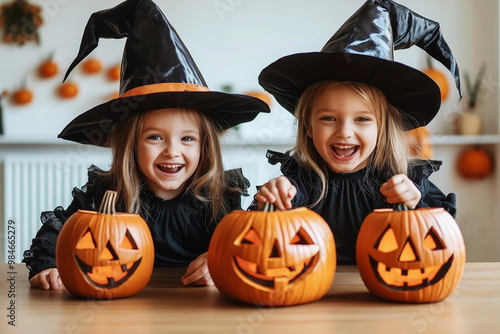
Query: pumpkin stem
(429, 62)
(400, 207)
(269, 207)
(108, 203)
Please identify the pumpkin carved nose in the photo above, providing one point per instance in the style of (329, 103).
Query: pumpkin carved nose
(108, 253)
(276, 250)
(408, 253)
(275, 259)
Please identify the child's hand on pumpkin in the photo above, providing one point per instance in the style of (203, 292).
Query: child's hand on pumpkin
(46, 280)
(400, 189)
(197, 273)
(278, 191)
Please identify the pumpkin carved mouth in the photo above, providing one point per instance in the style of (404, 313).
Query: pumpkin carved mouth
(277, 278)
(108, 277)
(409, 279)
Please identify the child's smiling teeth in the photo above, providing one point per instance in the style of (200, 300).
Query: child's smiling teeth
(344, 150)
(170, 168)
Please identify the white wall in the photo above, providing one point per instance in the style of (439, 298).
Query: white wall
(231, 41)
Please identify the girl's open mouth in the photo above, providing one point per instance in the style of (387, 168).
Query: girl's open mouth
(170, 168)
(344, 152)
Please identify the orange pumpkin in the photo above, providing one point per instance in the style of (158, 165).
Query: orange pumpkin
(114, 73)
(474, 164)
(420, 142)
(105, 254)
(92, 66)
(48, 68)
(23, 96)
(272, 258)
(261, 95)
(68, 90)
(414, 256)
(438, 77)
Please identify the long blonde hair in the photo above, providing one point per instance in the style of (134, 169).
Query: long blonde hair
(391, 152)
(208, 183)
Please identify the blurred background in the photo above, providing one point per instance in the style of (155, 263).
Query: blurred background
(231, 42)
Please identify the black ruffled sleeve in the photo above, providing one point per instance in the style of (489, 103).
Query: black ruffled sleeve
(308, 185)
(239, 184)
(41, 254)
(432, 196)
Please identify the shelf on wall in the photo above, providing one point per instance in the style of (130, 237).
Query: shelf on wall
(465, 140)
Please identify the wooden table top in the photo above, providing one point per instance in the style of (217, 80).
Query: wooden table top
(166, 306)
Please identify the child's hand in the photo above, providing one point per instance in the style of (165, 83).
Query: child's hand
(400, 189)
(197, 272)
(46, 280)
(279, 191)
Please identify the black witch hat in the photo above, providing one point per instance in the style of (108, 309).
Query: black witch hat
(362, 50)
(157, 72)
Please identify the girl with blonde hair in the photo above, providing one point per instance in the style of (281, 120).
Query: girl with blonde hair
(163, 131)
(353, 104)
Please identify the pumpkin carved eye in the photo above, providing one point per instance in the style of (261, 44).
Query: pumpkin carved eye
(432, 241)
(301, 238)
(128, 242)
(87, 241)
(251, 238)
(387, 241)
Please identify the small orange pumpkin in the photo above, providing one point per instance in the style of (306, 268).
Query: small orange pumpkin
(272, 258)
(23, 96)
(105, 254)
(438, 77)
(68, 90)
(474, 164)
(414, 256)
(114, 73)
(48, 68)
(92, 66)
(420, 142)
(261, 95)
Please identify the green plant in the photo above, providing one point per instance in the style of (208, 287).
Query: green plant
(473, 91)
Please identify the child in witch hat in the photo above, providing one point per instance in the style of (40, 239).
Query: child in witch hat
(163, 130)
(353, 103)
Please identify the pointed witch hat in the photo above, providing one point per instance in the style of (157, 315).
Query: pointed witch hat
(362, 50)
(157, 72)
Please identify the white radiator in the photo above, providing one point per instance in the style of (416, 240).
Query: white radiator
(31, 186)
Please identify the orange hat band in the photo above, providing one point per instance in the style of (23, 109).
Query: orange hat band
(165, 87)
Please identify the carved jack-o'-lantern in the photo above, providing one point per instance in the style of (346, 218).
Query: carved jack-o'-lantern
(272, 258)
(105, 254)
(410, 255)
